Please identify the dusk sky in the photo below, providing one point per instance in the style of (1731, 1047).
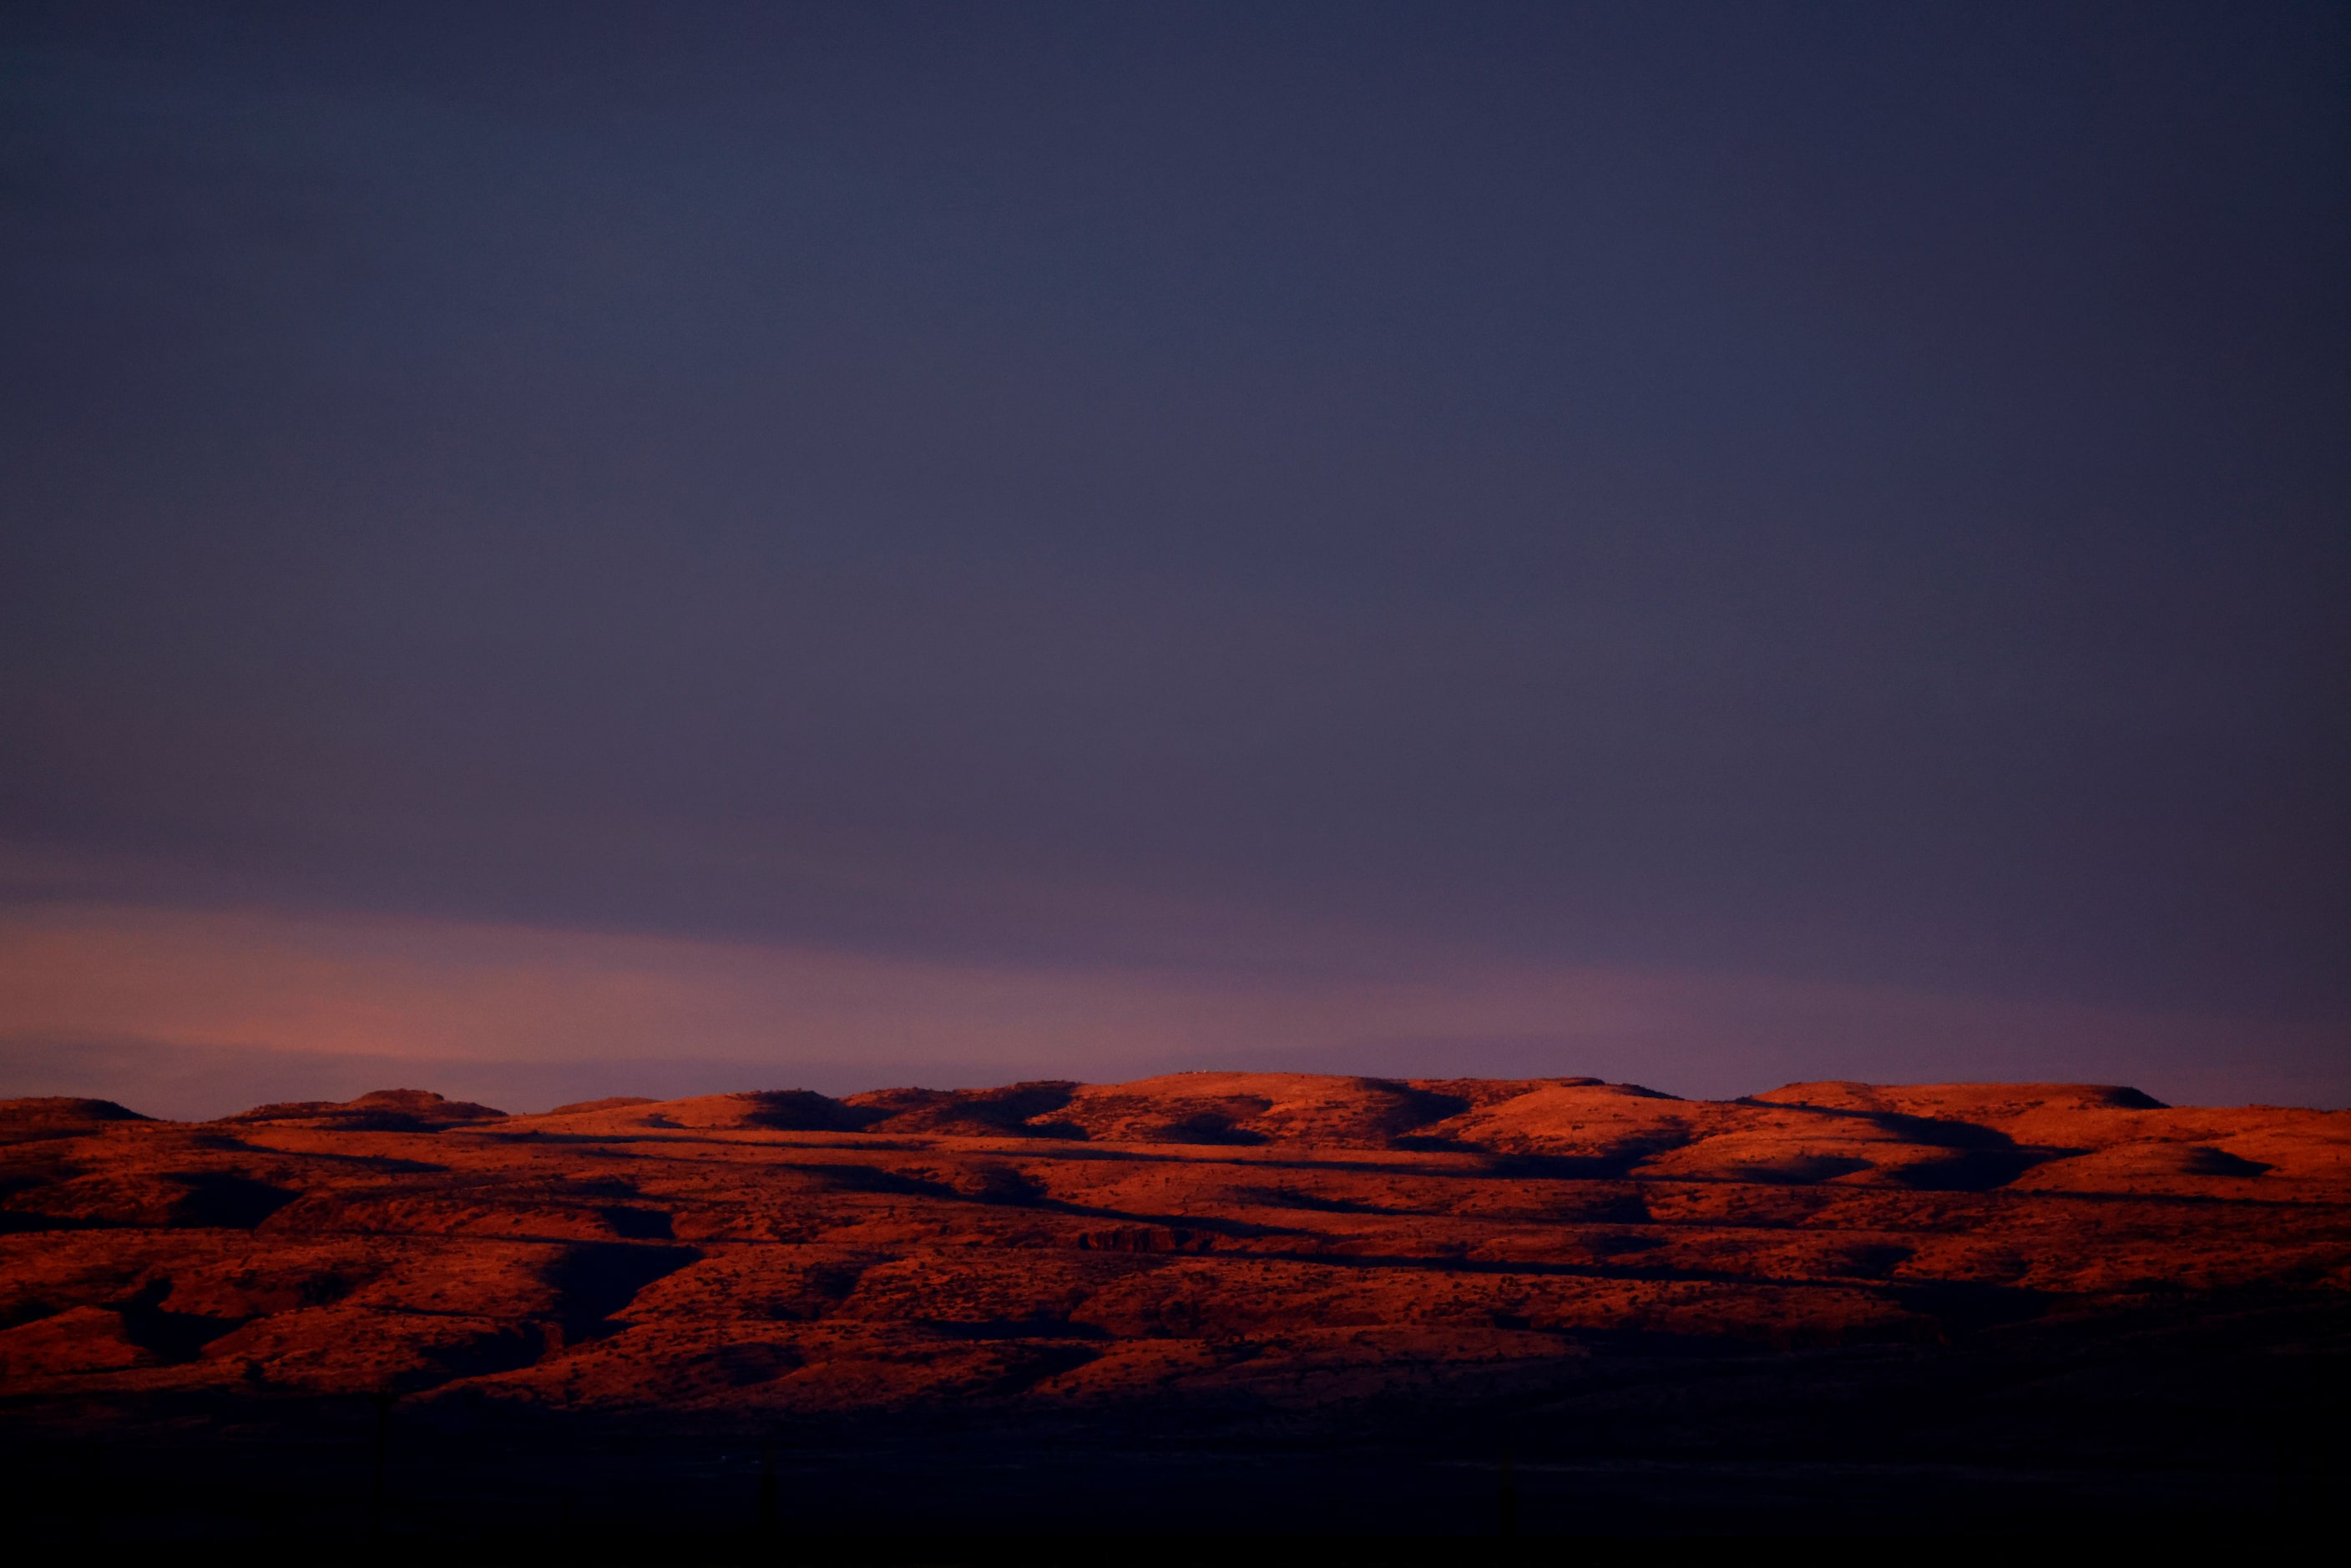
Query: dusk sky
(577, 549)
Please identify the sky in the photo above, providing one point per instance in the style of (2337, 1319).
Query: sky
(577, 549)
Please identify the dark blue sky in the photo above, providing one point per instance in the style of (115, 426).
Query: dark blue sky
(1854, 493)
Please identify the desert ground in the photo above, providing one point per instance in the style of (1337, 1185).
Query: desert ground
(1207, 1301)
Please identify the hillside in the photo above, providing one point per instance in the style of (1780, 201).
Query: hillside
(1260, 1249)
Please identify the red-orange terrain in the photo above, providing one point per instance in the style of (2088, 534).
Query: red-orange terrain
(1285, 1258)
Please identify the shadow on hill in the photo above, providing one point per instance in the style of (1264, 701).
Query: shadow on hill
(876, 1180)
(1008, 1112)
(1962, 1307)
(1611, 1163)
(1034, 1364)
(594, 1280)
(1002, 1186)
(2210, 1162)
(1209, 1127)
(216, 1200)
(1798, 1170)
(1976, 1170)
(1290, 1198)
(1415, 1107)
(1980, 1158)
(633, 1223)
(805, 1110)
(167, 1335)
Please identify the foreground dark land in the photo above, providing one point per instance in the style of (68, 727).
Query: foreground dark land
(1209, 1303)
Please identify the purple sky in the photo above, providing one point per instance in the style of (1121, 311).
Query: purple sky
(705, 547)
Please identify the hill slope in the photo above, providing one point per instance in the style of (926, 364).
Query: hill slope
(1274, 1252)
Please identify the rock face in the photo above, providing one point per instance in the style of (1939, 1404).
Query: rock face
(1282, 1242)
